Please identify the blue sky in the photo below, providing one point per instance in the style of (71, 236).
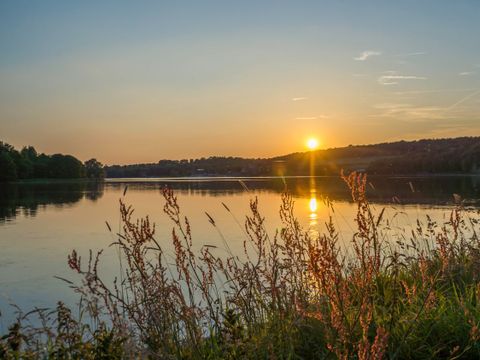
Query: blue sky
(136, 81)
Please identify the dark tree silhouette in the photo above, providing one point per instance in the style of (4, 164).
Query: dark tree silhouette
(8, 170)
(28, 164)
(459, 155)
(94, 169)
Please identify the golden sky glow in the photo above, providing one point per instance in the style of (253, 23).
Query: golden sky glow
(161, 80)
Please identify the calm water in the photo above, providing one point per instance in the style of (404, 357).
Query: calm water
(41, 223)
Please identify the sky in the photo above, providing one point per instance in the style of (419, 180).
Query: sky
(139, 81)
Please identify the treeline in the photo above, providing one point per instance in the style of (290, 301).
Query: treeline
(428, 156)
(460, 155)
(212, 166)
(446, 156)
(439, 156)
(28, 164)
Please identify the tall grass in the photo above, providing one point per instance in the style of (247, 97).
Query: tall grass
(290, 295)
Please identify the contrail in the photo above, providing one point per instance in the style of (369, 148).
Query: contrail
(463, 100)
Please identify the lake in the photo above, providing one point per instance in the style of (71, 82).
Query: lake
(40, 223)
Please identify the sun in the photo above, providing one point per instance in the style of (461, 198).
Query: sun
(312, 143)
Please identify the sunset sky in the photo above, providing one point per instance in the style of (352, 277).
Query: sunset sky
(139, 81)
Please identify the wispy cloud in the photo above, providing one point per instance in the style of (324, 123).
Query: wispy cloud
(466, 73)
(417, 92)
(412, 54)
(299, 98)
(390, 106)
(364, 55)
(392, 78)
(312, 117)
(411, 113)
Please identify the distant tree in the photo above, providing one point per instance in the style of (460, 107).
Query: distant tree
(8, 169)
(24, 167)
(25, 161)
(94, 169)
(40, 167)
(65, 167)
(4, 147)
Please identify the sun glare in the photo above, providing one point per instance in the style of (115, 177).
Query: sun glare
(312, 143)
(312, 204)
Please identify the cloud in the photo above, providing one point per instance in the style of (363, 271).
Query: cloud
(410, 113)
(390, 106)
(392, 78)
(312, 117)
(299, 98)
(306, 118)
(412, 54)
(366, 54)
(466, 73)
(417, 92)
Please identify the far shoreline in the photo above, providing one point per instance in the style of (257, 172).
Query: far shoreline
(224, 178)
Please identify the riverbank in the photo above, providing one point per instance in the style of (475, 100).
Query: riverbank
(55, 181)
(294, 294)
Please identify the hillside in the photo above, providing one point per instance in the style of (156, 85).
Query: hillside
(428, 156)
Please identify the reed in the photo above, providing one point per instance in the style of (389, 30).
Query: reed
(291, 294)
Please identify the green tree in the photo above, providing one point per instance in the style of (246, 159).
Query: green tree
(8, 169)
(65, 167)
(29, 152)
(26, 162)
(40, 167)
(94, 169)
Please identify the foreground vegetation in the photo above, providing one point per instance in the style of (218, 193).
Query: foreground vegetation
(293, 294)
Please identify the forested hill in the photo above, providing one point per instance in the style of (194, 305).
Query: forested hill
(438, 156)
